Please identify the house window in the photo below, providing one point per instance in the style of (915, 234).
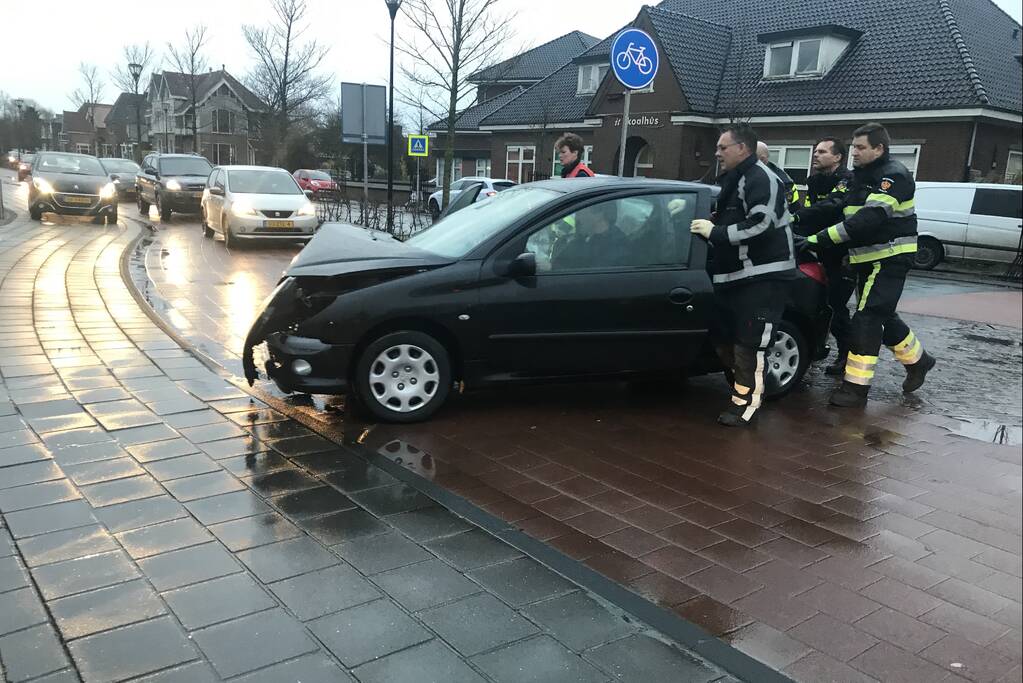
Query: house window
(223, 121)
(909, 155)
(519, 163)
(1014, 168)
(590, 76)
(221, 154)
(456, 170)
(644, 162)
(83, 148)
(483, 168)
(794, 58)
(794, 160)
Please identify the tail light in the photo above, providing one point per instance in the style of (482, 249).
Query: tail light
(814, 271)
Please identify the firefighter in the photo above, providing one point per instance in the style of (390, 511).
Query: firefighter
(570, 150)
(791, 191)
(826, 186)
(878, 227)
(753, 261)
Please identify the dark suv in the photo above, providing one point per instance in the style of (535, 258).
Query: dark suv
(173, 182)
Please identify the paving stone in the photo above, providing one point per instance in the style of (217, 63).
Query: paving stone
(251, 532)
(477, 623)
(360, 477)
(136, 514)
(281, 482)
(311, 668)
(160, 538)
(217, 600)
(161, 450)
(30, 653)
(642, 658)
(189, 565)
(20, 609)
(30, 473)
(105, 608)
(103, 470)
(37, 495)
(428, 524)
(430, 662)
(88, 452)
(253, 642)
(66, 545)
(85, 574)
(20, 455)
(253, 464)
(203, 486)
(578, 621)
(228, 506)
(196, 672)
(122, 491)
(302, 445)
(184, 466)
(56, 517)
(325, 591)
(212, 432)
(425, 584)
(390, 500)
(339, 527)
(521, 581)
(535, 660)
(313, 502)
(473, 549)
(140, 435)
(367, 632)
(286, 559)
(131, 651)
(12, 574)
(325, 462)
(228, 448)
(375, 554)
(769, 645)
(193, 418)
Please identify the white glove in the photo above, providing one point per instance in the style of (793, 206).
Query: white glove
(702, 227)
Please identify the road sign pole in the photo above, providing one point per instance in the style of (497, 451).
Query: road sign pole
(625, 133)
(365, 160)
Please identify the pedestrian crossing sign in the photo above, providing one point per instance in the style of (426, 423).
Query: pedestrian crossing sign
(418, 145)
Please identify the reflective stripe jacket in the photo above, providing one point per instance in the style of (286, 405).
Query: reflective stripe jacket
(791, 191)
(876, 219)
(826, 192)
(751, 235)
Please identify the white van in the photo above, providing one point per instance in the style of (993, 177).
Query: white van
(976, 221)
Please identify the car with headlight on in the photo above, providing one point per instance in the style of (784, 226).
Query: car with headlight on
(172, 183)
(71, 185)
(25, 166)
(245, 203)
(319, 182)
(123, 173)
(547, 281)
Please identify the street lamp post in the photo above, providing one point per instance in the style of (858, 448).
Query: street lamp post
(166, 115)
(19, 103)
(392, 7)
(135, 69)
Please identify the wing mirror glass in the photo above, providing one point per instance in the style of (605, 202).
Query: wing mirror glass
(524, 265)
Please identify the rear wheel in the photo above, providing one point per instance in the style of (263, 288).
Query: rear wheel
(403, 377)
(229, 239)
(787, 361)
(35, 214)
(929, 253)
(207, 231)
(165, 212)
(434, 209)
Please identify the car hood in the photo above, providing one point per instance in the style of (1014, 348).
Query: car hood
(259, 202)
(187, 179)
(71, 182)
(340, 248)
(125, 177)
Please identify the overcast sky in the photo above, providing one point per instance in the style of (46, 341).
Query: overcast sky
(46, 41)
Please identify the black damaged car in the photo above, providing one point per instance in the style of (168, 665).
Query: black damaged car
(547, 281)
(71, 185)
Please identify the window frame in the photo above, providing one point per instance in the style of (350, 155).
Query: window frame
(215, 125)
(1008, 162)
(916, 150)
(796, 45)
(783, 151)
(987, 191)
(595, 73)
(520, 162)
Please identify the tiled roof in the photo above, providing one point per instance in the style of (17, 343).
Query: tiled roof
(178, 84)
(538, 62)
(552, 100)
(124, 108)
(469, 119)
(990, 45)
(696, 50)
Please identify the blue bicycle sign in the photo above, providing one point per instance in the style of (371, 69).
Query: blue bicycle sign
(634, 58)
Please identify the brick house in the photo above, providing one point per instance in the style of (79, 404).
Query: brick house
(123, 121)
(85, 130)
(944, 76)
(228, 116)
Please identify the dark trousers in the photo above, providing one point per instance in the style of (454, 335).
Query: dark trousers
(841, 285)
(875, 322)
(748, 315)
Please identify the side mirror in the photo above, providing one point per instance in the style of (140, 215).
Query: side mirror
(218, 191)
(309, 194)
(524, 265)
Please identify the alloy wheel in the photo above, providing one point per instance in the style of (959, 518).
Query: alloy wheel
(404, 378)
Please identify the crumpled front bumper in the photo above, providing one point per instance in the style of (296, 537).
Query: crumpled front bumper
(272, 317)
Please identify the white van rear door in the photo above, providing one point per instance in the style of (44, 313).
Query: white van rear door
(943, 213)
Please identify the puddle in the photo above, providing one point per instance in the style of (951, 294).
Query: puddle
(989, 432)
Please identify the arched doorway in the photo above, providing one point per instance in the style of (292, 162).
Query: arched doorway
(633, 147)
(644, 166)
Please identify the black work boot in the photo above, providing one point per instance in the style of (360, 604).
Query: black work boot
(837, 368)
(916, 373)
(850, 395)
(732, 417)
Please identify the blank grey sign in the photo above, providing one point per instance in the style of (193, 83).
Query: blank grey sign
(353, 124)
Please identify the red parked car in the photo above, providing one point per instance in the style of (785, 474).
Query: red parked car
(317, 181)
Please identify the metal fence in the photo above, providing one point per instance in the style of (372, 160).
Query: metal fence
(336, 206)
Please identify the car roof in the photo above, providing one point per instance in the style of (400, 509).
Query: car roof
(116, 159)
(251, 168)
(66, 154)
(980, 186)
(572, 185)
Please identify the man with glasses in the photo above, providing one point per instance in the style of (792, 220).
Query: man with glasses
(752, 260)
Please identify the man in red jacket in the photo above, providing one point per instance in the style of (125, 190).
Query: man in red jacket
(570, 150)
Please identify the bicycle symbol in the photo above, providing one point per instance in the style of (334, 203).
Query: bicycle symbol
(634, 55)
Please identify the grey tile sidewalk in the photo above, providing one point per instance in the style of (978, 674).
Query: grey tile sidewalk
(178, 529)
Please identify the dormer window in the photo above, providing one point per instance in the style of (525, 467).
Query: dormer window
(805, 53)
(590, 76)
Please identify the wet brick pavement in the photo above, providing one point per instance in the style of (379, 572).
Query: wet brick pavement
(160, 525)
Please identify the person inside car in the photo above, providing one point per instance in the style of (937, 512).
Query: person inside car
(595, 241)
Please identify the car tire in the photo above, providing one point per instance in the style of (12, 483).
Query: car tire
(418, 392)
(434, 209)
(207, 231)
(788, 360)
(143, 206)
(35, 214)
(929, 253)
(165, 213)
(230, 242)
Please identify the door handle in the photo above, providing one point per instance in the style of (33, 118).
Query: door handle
(680, 295)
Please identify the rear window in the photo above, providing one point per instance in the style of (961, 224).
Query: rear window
(1001, 203)
(502, 186)
(185, 166)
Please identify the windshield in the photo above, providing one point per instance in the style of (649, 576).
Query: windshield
(120, 166)
(68, 163)
(185, 166)
(262, 182)
(318, 175)
(461, 232)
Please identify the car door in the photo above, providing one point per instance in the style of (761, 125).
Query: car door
(996, 223)
(466, 197)
(215, 202)
(142, 181)
(620, 286)
(943, 212)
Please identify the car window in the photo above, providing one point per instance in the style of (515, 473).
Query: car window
(501, 186)
(185, 166)
(72, 164)
(647, 231)
(262, 182)
(120, 166)
(317, 175)
(1003, 203)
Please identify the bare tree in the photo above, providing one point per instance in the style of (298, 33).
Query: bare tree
(286, 75)
(89, 94)
(138, 63)
(190, 60)
(451, 40)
